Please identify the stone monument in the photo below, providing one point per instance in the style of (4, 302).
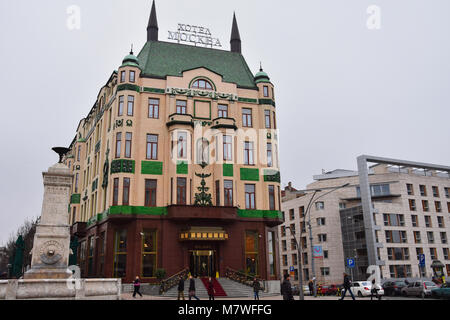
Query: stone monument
(50, 254)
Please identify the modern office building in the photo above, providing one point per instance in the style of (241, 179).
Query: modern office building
(176, 166)
(410, 215)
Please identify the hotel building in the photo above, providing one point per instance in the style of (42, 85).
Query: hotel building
(176, 166)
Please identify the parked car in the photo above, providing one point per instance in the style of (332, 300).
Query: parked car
(363, 289)
(394, 288)
(419, 288)
(296, 292)
(442, 292)
(333, 289)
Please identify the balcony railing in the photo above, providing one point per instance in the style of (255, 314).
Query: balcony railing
(227, 123)
(177, 118)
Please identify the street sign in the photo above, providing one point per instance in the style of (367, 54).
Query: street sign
(421, 260)
(317, 252)
(291, 269)
(351, 262)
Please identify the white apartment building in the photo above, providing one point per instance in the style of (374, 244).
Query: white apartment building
(411, 212)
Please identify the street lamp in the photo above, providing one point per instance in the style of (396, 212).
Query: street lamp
(310, 230)
(299, 257)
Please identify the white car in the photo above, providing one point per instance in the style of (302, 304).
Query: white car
(419, 288)
(363, 289)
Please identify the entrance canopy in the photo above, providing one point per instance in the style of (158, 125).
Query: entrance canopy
(204, 233)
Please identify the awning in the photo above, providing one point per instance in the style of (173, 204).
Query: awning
(203, 234)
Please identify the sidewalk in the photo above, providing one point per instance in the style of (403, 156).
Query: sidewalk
(129, 296)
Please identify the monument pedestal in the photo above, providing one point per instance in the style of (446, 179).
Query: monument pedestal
(51, 242)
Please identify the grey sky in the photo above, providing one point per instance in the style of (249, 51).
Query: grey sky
(342, 90)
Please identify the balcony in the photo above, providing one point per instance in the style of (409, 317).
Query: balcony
(226, 123)
(180, 119)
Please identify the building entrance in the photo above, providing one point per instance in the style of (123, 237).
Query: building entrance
(203, 263)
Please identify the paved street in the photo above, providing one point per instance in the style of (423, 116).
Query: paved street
(128, 296)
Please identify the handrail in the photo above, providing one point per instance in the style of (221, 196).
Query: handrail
(240, 277)
(172, 281)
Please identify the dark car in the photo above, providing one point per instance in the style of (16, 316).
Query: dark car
(394, 288)
(442, 292)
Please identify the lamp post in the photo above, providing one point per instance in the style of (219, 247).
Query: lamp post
(308, 211)
(300, 271)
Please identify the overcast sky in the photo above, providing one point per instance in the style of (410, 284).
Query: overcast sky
(342, 89)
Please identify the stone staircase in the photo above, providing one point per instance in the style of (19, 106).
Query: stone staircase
(233, 289)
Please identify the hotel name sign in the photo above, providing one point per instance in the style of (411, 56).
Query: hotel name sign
(194, 34)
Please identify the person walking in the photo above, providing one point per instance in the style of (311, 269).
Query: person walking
(181, 288)
(137, 287)
(347, 285)
(256, 287)
(286, 289)
(311, 288)
(210, 289)
(374, 290)
(192, 288)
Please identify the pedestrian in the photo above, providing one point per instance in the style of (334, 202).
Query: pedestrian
(311, 288)
(347, 285)
(181, 288)
(286, 289)
(256, 287)
(210, 289)
(137, 287)
(374, 290)
(192, 288)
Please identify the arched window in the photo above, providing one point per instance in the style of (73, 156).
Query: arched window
(202, 151)
(202, 84)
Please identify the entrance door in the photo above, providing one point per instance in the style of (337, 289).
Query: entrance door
(203, 263)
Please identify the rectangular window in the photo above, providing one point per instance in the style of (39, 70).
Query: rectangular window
(325, 271)
(150, 192)
(227, 148)
(443, 237)
(412, 204)
(182, 143)
(322, 237)
(118, 144)
(251, 252)
(293, 246)
(409, 189)
(400, 271)
(447, 192)
(153, 108)
(130, 109)
(228, 193)
(132, 76)
(218, 193)
(181, 191)
(423, 190)
(128, 140)
(149, 254)
(77, 176)
(269, 155)
(247, 117)
(428, 223)
(267, 119)
(271, 246)
(430, 236)
(120, 254)
(126, 192)
(441, 223)
(271, 198)
(320, 205)
(435, 191)
(152, 147)
(291, 214)
(445, 252)
(120, 108)
(181, 106)
(438, 207)
(321, 221)
(250, 203)
(425, 205)
(79, 153)
(222, 111)
(301, 211)
(415, 221)
(122, 76)
(266, 91)
(248, 153)
(433, 254)
(417, 237)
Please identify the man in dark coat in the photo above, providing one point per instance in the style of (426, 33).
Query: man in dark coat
(192, 288)
(286, 289)
(311, 288)
(347, 285)
(256, 287)
(181, 288)
(210, 289)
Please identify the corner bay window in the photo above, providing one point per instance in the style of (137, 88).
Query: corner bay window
(271, 198)
(182, 145)
(128, 141)
(267, 119)
(120, 254)
(116, 192)
(181, 107)
(118, 144)
(132, 76)
(222, 111)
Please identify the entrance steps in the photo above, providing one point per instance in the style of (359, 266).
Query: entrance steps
(232, 289)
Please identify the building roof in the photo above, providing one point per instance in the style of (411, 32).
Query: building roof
(161, 59)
